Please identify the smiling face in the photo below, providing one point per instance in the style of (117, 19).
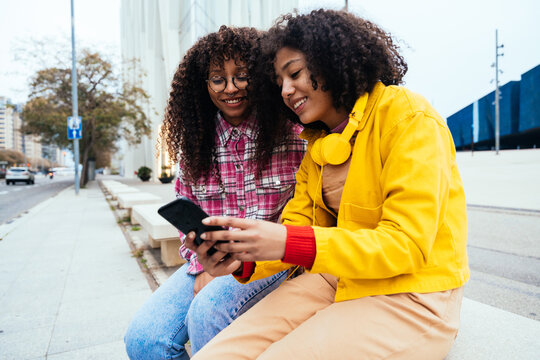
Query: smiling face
(232, 102)
(297, 91)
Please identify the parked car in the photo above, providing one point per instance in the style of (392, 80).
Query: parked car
(2, 173)
(22, 174)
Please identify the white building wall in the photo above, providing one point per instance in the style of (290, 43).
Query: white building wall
(32, 147)
(10, 137)
(18, 137)
(6, 137)
(157, 34)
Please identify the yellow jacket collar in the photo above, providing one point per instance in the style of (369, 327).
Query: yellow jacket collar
(313, 134)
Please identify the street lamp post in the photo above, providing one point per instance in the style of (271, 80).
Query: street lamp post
(74, 99)
(497, 93)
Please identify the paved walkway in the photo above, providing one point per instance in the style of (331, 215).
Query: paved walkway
(510, 179)
(68, 283)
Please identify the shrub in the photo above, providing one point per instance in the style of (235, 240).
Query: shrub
(144, 173)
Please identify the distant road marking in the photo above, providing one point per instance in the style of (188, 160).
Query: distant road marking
(503, 209)
(19, 189)
(3, 192)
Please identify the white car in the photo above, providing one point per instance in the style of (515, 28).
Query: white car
(22, 174)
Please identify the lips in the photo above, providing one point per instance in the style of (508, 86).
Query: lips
(298, 104)
(234, 101)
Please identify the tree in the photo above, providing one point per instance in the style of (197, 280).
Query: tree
(109, 111)
(13, 157)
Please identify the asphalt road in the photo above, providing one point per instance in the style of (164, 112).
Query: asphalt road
(18, 198)
(504, 257)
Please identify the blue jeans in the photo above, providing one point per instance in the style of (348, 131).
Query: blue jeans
(172, 315)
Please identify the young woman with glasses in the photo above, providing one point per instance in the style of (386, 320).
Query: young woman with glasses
(230, 164)
(378, 217)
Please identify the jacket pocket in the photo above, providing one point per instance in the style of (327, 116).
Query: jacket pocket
(358, 217)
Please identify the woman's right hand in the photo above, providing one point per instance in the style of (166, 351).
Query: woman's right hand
(217, 264)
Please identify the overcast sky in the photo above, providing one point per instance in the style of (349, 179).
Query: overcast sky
(97, 23)
(449, 45)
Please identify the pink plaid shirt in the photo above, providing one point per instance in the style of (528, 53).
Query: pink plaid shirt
(241, 194)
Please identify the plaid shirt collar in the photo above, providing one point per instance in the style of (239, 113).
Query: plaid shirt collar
(225, 130)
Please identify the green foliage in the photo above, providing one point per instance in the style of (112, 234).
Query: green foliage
(125, 219)
(109, 110)
(144, 173)
(137, 253)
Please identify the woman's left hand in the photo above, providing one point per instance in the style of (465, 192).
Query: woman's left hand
(251, 240)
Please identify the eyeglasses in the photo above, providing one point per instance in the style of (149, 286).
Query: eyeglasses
(219, 83)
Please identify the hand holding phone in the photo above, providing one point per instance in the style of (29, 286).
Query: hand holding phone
(186, 216)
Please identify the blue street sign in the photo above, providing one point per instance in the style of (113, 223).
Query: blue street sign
(74, 127)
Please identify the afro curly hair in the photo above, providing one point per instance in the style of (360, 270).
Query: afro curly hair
(189, 127)
(347, 53)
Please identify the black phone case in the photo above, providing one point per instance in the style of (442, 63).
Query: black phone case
(186, 216)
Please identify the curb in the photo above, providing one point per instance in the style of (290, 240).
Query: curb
(23, 216)
(149, 262)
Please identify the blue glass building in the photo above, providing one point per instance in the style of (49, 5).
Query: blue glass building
(519, 117)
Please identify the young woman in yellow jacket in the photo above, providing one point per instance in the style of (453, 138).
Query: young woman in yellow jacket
(378, 219)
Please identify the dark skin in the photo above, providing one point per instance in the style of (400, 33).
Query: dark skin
(250, 240)
(219, 263)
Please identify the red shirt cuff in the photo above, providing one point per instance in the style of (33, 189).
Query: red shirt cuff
(247, 270)
(300, 248)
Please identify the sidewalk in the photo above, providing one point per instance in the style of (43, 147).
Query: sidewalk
(510, 179)
(68, 283)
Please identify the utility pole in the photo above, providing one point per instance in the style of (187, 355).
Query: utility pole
(346, 8)
(497, 94)
(74, 99)
(472, 139)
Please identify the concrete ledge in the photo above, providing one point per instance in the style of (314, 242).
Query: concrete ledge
(115, 191)
(128, 200)
(111, 187)
(490, 333)
(169, 251)
(156, 226)
(160, 232)
(108, 184)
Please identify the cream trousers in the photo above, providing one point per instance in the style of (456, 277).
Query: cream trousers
(300, 320)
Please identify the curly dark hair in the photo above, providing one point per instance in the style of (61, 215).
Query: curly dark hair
(189, 127)
(349, 54)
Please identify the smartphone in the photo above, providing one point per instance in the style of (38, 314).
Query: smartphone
(186, 216)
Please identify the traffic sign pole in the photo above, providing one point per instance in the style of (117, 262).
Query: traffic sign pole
(74, 98)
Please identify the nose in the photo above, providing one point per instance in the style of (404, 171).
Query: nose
(287, 89)
(230, 89)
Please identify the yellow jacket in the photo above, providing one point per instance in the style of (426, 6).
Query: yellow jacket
(402, 223)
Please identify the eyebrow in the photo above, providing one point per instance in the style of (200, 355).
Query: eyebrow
(243, 67)
(289, 63)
